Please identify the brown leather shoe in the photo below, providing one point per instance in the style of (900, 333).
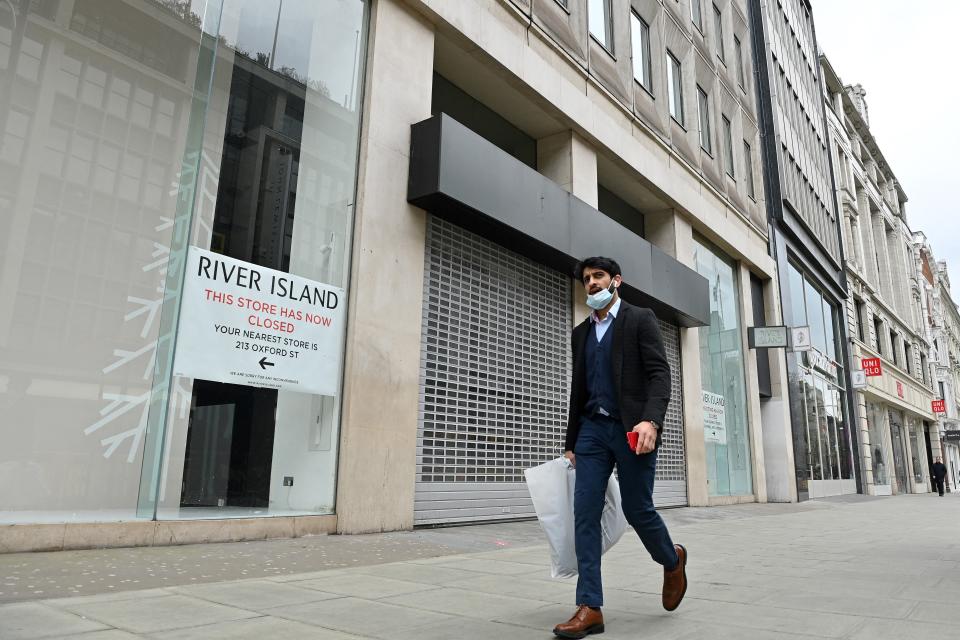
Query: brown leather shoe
(584, 622)
(675, 580)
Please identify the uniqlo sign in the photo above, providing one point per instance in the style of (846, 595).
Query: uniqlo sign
(871, 366)
(939, 406)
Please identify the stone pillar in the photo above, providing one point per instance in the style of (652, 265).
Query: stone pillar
(752, 388)
(568, 160)
(775, 421)
(571, 162)
(377, 464)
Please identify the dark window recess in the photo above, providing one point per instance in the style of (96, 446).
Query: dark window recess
(878, 334)
(760, 320)
(473, 114)
(860, 319)
(616, 209)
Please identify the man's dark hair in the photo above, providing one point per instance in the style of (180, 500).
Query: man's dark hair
(607, 264)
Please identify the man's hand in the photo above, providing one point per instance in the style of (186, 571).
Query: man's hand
(647, 440)
(569, 456)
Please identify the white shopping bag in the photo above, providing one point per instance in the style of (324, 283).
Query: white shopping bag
(551, 486)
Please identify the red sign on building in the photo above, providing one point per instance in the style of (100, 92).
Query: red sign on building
(939, 406)
(871, 366)
(899, 388)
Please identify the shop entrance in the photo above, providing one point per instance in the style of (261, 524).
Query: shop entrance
(899, 452)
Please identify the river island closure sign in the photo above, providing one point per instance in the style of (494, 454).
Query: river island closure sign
(245, 324)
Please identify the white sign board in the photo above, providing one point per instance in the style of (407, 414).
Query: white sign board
(858, 379)
(800, 338)
(714, 418)
(245, 324)
(767, 337)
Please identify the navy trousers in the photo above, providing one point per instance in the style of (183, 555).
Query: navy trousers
(601, 444)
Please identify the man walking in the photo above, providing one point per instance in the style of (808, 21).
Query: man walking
(621, 383)
(939, 474)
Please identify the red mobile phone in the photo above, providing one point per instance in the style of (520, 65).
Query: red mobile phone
(632, 438)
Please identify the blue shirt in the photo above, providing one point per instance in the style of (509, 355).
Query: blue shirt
(603, 325)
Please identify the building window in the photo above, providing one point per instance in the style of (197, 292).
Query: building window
(728, 147)
(822, 446)
(674, 88)
(718, 32)
(722, 367)
(878, 334)
(703, 113)
(748, 167)
(640, 41)
(696, 14)
(907, 357)
(859, 306)
(894, 347)
(923, 367)
(741, 75)
(599, 20)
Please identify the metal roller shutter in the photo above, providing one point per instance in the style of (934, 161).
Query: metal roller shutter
(495, 370)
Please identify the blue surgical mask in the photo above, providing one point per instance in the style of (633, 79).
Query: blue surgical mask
(601, 298)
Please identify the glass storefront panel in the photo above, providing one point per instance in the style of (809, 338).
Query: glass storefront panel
(729, 469)
(899, 447)
(918, 452)
(822, 441)
(879, 443)
(129, 131)
(93, 100)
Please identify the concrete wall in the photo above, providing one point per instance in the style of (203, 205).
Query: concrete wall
(382, 369)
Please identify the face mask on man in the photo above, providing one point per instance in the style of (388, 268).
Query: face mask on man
(600, 299)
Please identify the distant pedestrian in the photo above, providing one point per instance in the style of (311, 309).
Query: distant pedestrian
(939, 474)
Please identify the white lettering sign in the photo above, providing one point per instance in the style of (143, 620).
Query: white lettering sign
(714, 418)
(245, 324)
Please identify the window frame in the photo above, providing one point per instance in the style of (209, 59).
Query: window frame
(675, 104)
(748, 168)
(738, 51)
(878, 330)
(860, 308)
(718, 29)
(646, 79)
(727, 127)
(696, 14)
(607, 41)
(703, 120)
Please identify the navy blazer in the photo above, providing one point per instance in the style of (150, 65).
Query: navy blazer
(641, 373)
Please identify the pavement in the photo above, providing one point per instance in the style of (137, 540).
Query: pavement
(856, 567)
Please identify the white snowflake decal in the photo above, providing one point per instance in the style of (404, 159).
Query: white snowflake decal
(128, 413)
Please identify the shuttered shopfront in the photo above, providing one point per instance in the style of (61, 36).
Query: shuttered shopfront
(495, 370)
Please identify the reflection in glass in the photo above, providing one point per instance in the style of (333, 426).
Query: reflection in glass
(877, 429)
(899, 451)
(282, 135)
(95, 108)
(729, 470)
(94, 97)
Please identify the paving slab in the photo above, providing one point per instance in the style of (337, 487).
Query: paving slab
(852, 569)
(35, 620)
